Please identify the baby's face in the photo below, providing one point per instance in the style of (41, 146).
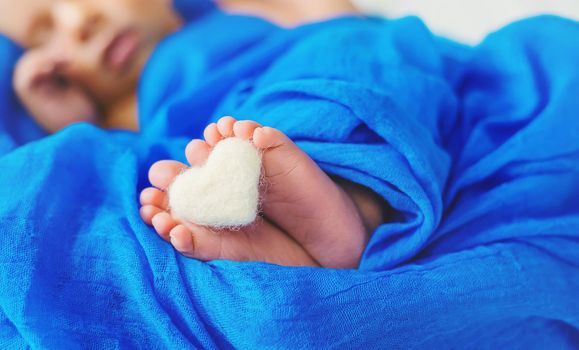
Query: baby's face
(96, 46)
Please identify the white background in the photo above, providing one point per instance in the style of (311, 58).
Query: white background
(469, 20)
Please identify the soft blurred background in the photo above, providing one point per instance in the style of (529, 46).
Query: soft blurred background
(470, 21)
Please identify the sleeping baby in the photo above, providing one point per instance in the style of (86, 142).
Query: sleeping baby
(82, 63)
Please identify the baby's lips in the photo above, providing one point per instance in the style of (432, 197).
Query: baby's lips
(121, 50)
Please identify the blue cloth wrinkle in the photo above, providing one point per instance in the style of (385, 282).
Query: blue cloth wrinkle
(475, 149)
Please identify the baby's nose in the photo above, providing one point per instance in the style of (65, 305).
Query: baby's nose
(78, 20)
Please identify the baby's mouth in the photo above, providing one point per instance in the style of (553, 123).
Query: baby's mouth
(121, 50)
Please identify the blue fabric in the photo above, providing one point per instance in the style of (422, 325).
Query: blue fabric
(475, 149)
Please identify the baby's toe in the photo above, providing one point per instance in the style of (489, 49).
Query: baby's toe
(155, 197)
(267, 137)
(212, 135)
(148, 212)
(182, 240)
(197, 152)
(162, 173)
(197, 242)
(225, 126)
(163, 224)
(244, 129)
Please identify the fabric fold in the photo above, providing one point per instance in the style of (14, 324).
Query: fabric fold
(475, 150)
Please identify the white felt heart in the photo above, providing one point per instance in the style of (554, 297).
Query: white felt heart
(224, 192)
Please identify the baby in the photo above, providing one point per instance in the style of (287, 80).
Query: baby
(84, 58)
(82, 63)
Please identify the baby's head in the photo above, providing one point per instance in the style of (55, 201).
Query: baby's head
(82, 56)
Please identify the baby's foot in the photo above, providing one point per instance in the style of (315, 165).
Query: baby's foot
(260, 241)
(306, 215)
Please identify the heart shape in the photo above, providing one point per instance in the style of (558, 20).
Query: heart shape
(224, 192)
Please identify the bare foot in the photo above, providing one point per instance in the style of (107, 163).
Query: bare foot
(307, 218)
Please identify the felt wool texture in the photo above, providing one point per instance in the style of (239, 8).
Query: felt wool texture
(474, 148)
(224, 192)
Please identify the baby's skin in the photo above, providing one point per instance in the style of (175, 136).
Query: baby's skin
(83, 59)
(307, 218)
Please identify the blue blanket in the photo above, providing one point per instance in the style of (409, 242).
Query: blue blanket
(476, 150)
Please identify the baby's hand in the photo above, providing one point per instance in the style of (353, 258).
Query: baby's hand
(48, 95)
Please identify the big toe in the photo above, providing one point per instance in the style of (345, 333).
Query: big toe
(197, 242)
(182, 240)
(267, 137)
(244, 129)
